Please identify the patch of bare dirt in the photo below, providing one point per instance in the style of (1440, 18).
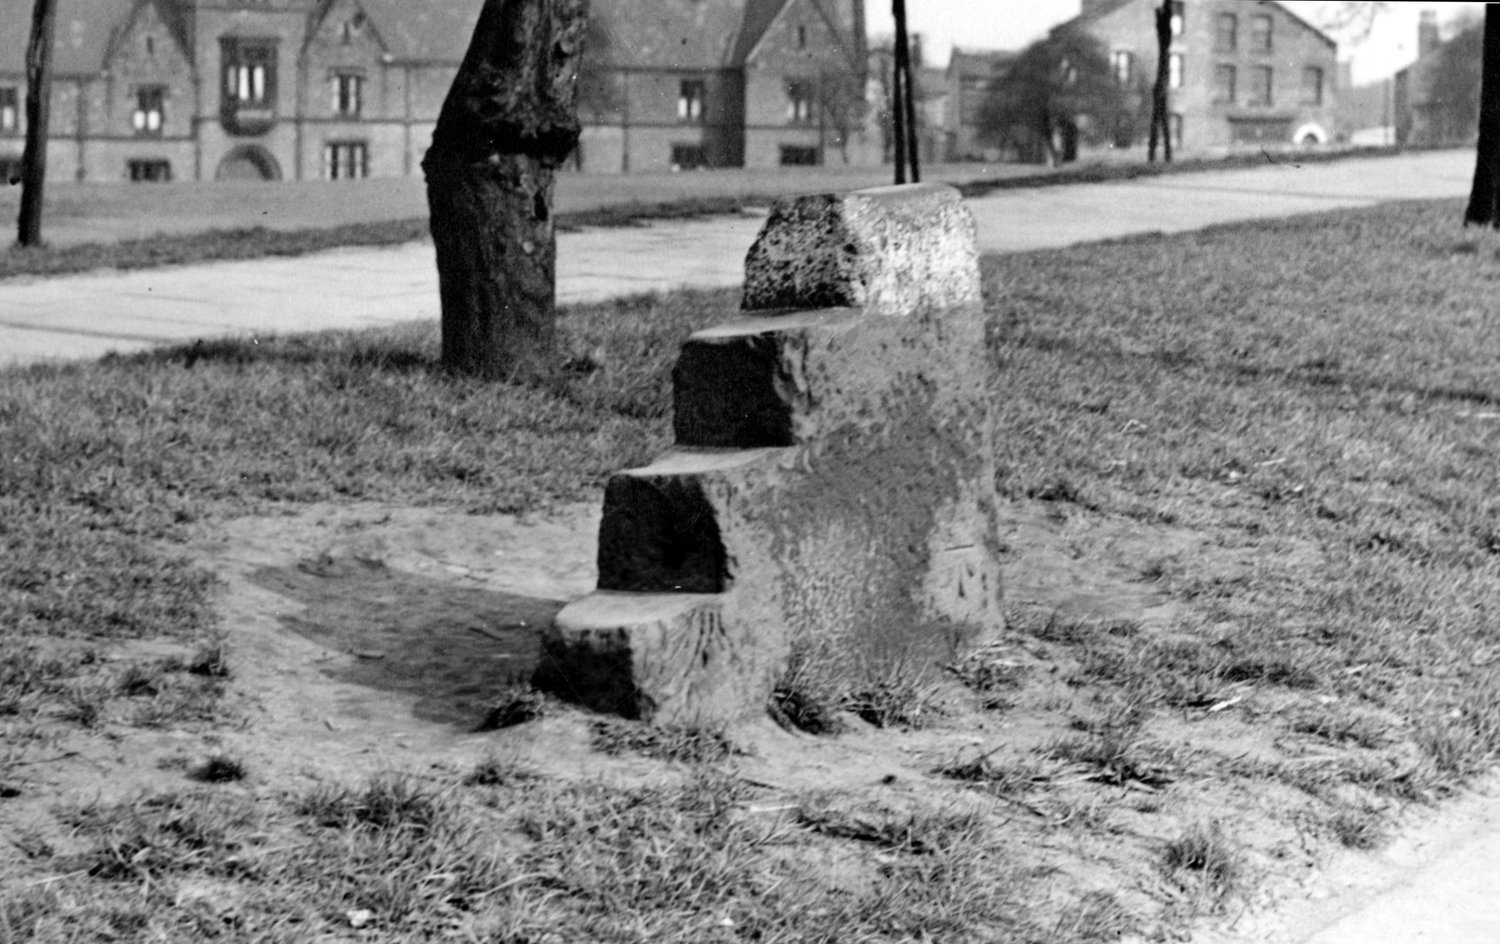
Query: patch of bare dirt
(367, 637)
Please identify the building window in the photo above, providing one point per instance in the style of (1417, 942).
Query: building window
(346, 160)
(688, 157)
(1174, 128)
(347, 98)
(152, 171)
(10, 109)
(1177, 19)
(150, 45)
(799, 103)
(1174, 70)
(798, 155)
(690, 96)
(1123, 64)
(1312, 86)
(1224, 83)
(1226, 32)
(801, 37)
(10, 168)
(150, 111)
(1260, 89)
(249, 73)
(1260, 33)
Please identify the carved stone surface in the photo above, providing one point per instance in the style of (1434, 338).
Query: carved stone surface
(833, 481)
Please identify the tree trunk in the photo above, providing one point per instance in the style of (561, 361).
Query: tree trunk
(509, 121)
(898, 117)
(1484, 197)
(38, 111)
(907, 102)
(1160, 127)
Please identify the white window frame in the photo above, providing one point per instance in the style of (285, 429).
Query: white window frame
(346, 160)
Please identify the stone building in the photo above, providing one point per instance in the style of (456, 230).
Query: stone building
(149, 90)
(1241, 74)
(1436, 98)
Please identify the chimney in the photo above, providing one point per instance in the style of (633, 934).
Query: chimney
(1427, 33)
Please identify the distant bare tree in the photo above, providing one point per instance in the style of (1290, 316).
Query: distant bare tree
(1048, 89)
(1351, 20)
(841, 106)
(1484, 196)
(1160, 126)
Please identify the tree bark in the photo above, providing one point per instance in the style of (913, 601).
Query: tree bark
(1484, 196)
(38, 111)
(907, 100)
(1160, 127)
(509, 121)
(898, 116)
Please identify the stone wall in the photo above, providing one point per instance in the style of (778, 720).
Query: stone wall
(832, 487)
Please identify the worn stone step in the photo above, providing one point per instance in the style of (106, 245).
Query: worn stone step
(746, 383)
(668, 658)
(801, 378)
(886, 250)
(664, 524)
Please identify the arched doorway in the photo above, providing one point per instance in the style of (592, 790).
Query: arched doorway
(1310, 135)
(248, 162)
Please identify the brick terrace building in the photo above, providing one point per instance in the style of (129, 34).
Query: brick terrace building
(1242, 74)
(306, 89)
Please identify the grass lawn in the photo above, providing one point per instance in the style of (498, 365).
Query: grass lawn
(1286, 428)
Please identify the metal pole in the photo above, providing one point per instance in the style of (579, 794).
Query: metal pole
(38, 111)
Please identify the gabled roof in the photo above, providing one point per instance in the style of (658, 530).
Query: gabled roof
(81, 39)
(424, 30)
(1101, 10)
(85, 33)
(172, 14)
(1328, 40)
(759, 15)
(681, 34)
(1106, 7)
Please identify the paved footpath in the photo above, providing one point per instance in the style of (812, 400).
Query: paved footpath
(88, 315)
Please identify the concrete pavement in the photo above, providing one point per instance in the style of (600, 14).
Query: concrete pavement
(88, 315)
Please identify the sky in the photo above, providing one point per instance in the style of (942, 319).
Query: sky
(1012, 24)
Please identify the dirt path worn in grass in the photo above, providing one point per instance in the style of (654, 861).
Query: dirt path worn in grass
(370, 638)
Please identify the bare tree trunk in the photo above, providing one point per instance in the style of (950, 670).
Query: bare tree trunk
(38, 111)
(898, 117)
(1160, 127)
(1484, 197)
(907, 103)
(509, 121)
